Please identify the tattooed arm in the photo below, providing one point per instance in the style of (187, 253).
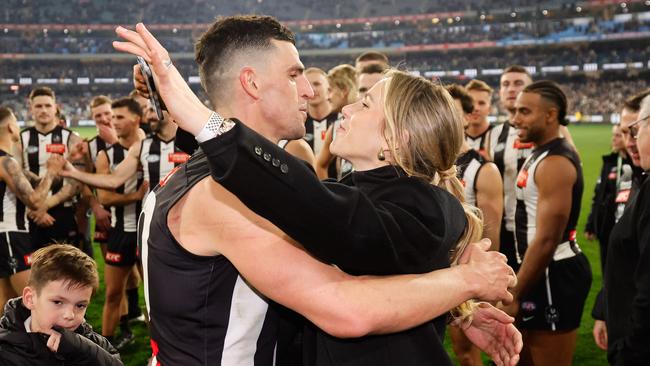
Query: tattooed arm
(12, 174)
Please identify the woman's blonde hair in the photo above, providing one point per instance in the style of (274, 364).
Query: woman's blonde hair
(344, 77)
(424, 132)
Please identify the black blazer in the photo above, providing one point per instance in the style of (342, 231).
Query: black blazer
(377, 222)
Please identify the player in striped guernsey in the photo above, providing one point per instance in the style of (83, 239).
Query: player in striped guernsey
(156, 155)
(555, 276)
(320, 115)
(16, 194)
(55, 222)
(125, 202)
(478, 130)
(259, 76)
(483, 188)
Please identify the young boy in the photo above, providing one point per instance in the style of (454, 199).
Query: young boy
(46, 325)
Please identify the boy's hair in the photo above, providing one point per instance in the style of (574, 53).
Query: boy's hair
(100, 100)
(41, 91)
(131, 104)
(63, 262)
(479, 85)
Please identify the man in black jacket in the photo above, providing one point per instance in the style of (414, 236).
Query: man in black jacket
(603, 205)
(46, 325)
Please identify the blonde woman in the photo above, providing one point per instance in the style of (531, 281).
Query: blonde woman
(399, 213)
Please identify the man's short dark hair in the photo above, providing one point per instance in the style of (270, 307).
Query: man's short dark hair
(551, 92)
(373, 69)
(229, 35)
(131, 104)
(5, 112)
(517, 68)
(42, 91)
(373, 56)
(633, 103)
(458, 92)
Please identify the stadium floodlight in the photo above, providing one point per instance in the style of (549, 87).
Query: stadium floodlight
(513, 14)
(545, 12)
(578, 9)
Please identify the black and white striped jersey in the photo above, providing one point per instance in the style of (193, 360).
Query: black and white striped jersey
(12, 211)
(201, 311)
(158, 158)
(527, 193)
(95, 145)
(37, 148)
(468, 165)
(509, 155)
(315, 131)
(124, 218)
(480, 142)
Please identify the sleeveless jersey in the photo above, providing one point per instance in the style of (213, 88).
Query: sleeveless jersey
(527, 194)
(201, 312)
(158, 158)
(12, 211)
(509, 155)
(468, 165)
(480, 142)
(95, 145)
(37, 148)
(124, 218)
(315, 131)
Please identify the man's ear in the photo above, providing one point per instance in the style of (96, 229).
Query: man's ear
(29, 295)
(249, 82)
(551, 115)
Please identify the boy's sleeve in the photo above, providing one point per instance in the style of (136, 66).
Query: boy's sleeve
(92, 351)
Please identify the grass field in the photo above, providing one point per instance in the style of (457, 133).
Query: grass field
(592, 142)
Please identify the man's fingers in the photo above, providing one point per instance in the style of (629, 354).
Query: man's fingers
(133, 37)
(150, 41)
(131, 48)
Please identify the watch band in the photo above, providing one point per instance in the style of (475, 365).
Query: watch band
(216, 126)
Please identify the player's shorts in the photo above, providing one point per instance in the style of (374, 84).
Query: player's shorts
(64, 230)
(15, 253)
(507, 247)
(121, 248)
(557, 300)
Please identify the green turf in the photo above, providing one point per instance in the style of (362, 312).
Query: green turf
(592, 142)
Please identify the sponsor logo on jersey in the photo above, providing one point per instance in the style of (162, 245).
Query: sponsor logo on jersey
(308, 137)
(528, 306)
(113, 257)
(55, 148)
(522, 178)
(499, 147)
(28, 259)
(522, 145)
(623, 196)
(153, 158)
(178, 157)
(32, 149)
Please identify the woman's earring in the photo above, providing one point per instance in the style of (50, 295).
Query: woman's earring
(380, 155)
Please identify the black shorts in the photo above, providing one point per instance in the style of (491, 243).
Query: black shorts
(557, 300)
(15, 253)
(63, 231)
(507, 247)
(121, 248)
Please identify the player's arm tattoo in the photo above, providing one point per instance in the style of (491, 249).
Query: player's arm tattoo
(21, 186)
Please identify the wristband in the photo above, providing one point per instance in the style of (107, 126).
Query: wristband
(216, 126)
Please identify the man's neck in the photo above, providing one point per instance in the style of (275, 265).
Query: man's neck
(319, 111)
(549, 136)
(511, 114)
(167, 131)
(253, 120)
(129, 140)
(45, 128)
(6, 144)
(476, 130)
